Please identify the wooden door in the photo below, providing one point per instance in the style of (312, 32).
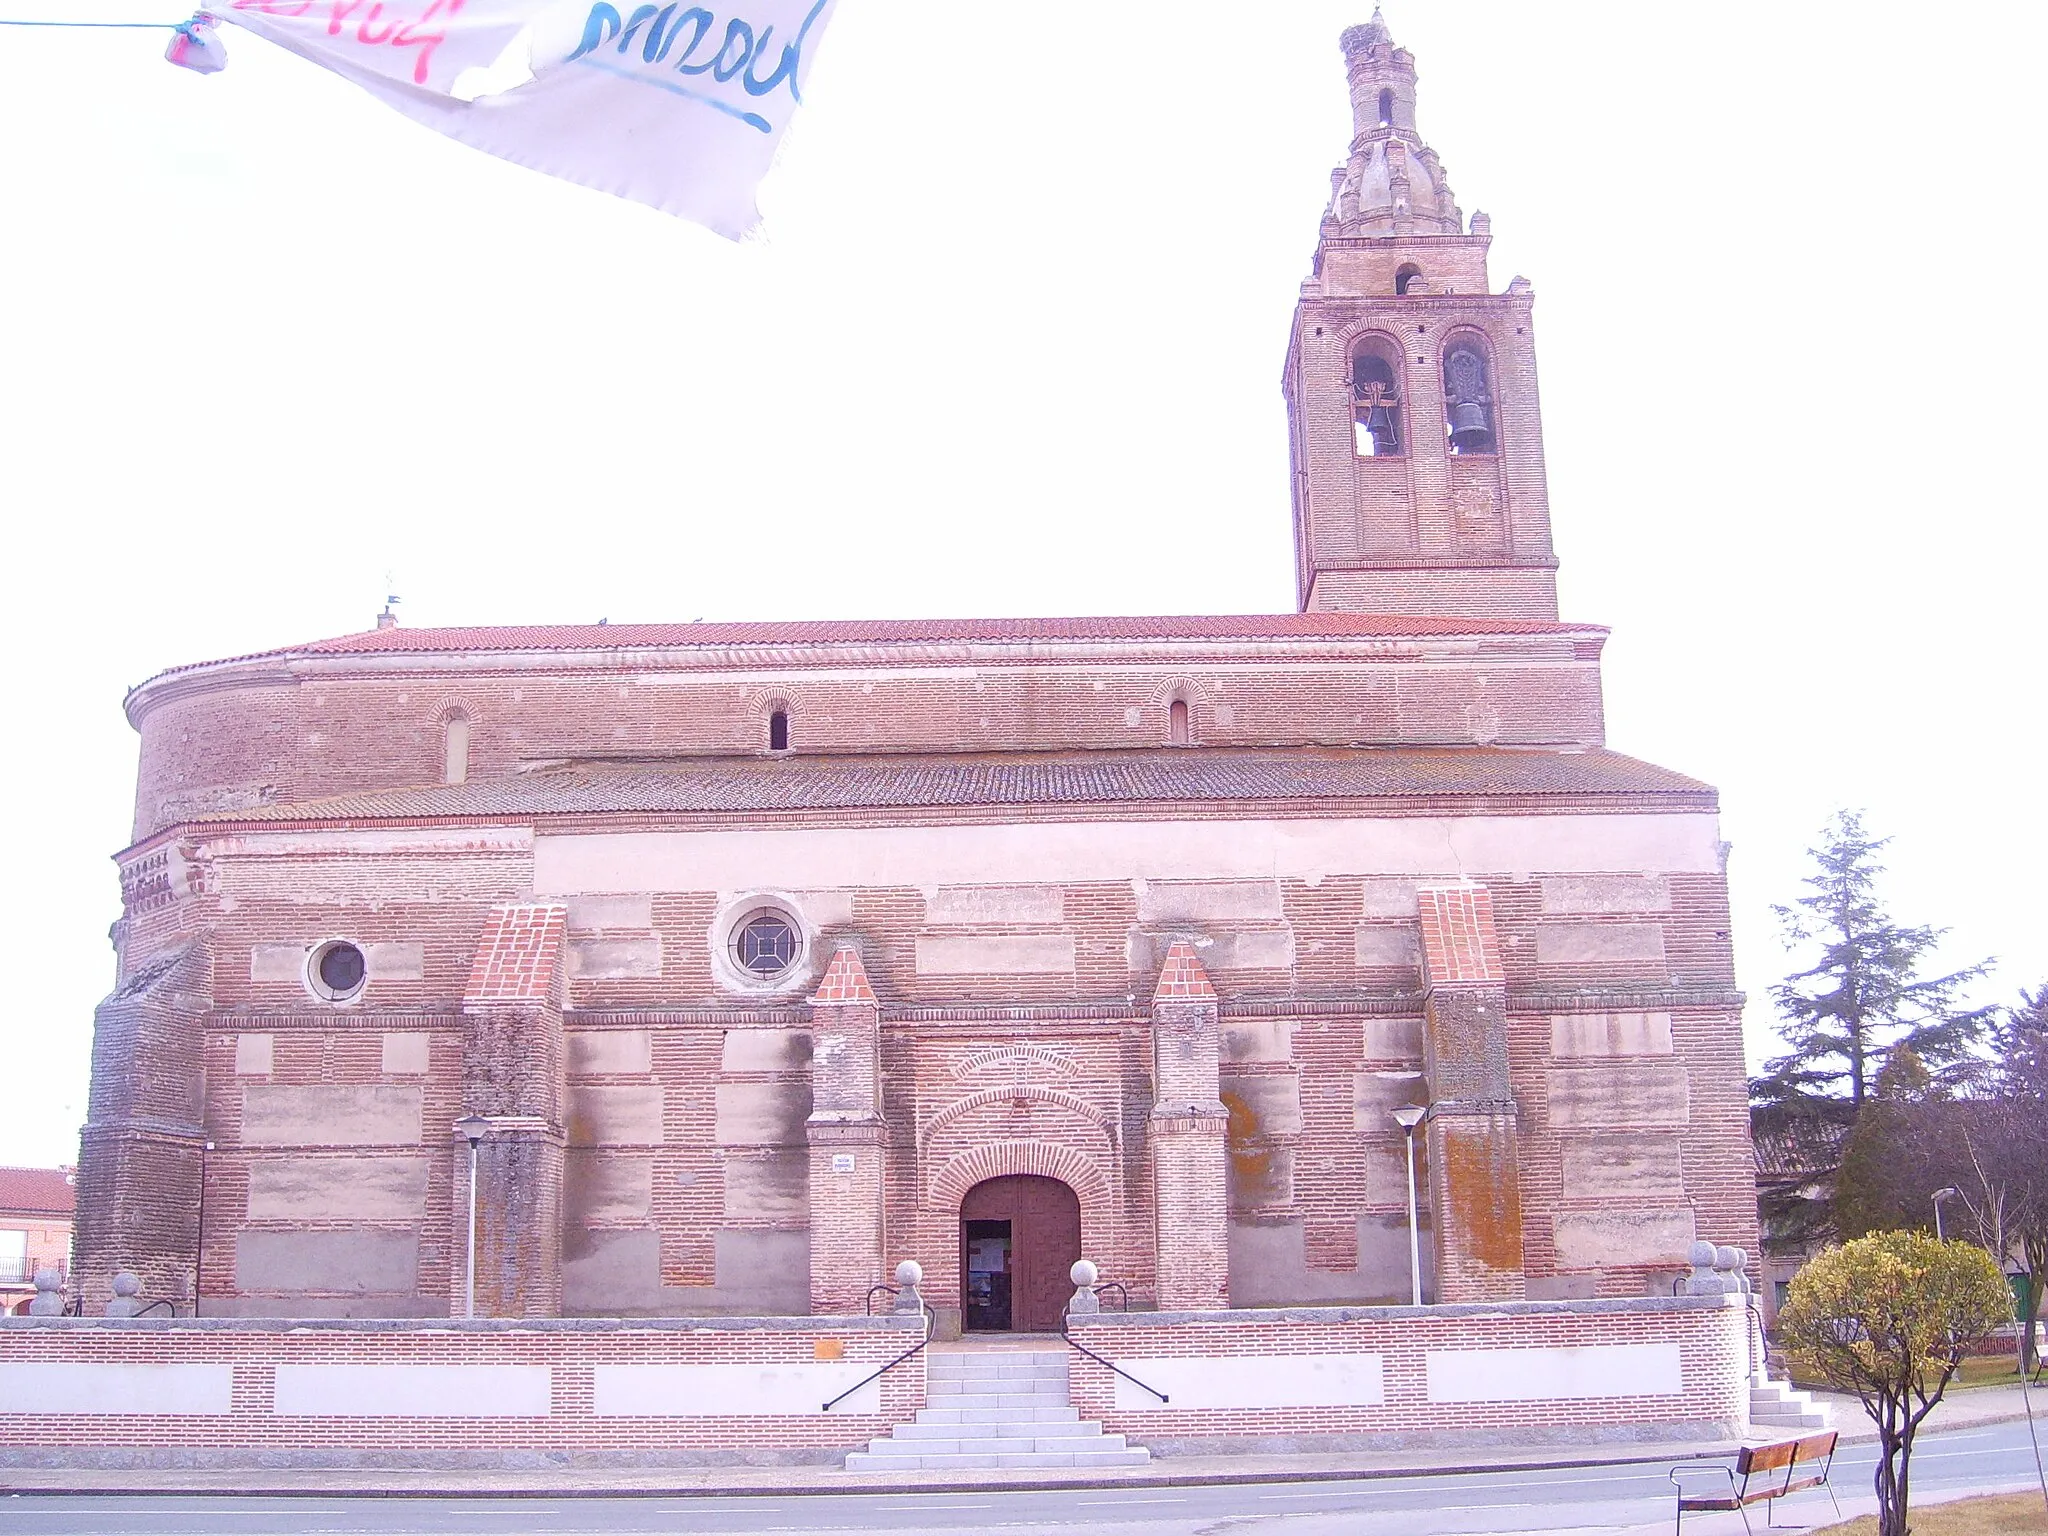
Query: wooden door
(1044, 1218)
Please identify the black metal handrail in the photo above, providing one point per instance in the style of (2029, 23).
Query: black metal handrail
(150, 1307)
(884, 1289)
(1111, 1364)
(1123, 1295)
(877, 1375)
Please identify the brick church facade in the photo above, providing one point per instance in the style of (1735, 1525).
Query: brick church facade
(770, 954)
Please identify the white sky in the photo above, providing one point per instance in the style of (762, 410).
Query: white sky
(1013, 346)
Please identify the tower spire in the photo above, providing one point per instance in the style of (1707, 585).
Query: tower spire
(1393, 182)
(1411, 389)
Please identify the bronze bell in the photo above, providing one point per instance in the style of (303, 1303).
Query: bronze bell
(1470, 432)
(1379, 421)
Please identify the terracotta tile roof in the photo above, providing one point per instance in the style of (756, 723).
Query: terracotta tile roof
(37, 1192)
(884, 781)
(824, 632)
(518, 954)
(1181, 978)
(845, 980)
(1458, 940)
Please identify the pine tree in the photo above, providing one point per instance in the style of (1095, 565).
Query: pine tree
(1864, 996)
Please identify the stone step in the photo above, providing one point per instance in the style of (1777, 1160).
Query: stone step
(1003, 1429)
(1803, 1422)
(939, 1395)
(871, 1461)
(1049, 1413)
(994, 1367)
(1777, 1405)
(1045, 1382)
(980, 1444)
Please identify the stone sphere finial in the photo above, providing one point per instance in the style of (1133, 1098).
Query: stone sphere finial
(127, 1295)
(1083, 1273)
(1726, 1258)
(49, 1297)
(909, 1273)
(1700, 1255)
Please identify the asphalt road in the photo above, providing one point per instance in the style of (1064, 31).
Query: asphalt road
(1566, 1499)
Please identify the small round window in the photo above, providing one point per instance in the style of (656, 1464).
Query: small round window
(766, 943)
(336, 971)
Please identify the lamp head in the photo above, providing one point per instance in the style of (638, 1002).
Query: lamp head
(1946, 1194)
(472, 1128)
(1411, 1115)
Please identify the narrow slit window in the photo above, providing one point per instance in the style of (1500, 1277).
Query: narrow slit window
(455, 749)
(1177, 722)
(778, 731)
(1386, 108)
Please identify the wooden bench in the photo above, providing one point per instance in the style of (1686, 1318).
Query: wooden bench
(1761, 1475)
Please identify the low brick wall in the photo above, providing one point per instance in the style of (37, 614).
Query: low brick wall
(1377, 1378)
(340, 1393)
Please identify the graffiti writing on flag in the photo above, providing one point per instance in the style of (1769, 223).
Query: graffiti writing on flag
(661, 42)
(400, 24)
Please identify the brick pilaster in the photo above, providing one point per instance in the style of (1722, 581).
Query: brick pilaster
(1474, 1170)
(1186, 1131)
(514, 1075)
(139, 1153)
(848, 1138)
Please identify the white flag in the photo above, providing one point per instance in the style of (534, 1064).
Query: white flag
(673, 105)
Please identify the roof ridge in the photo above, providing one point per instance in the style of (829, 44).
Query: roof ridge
(400, 639)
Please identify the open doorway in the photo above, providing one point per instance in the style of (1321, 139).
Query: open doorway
(985, 1305)
(1019, 1238)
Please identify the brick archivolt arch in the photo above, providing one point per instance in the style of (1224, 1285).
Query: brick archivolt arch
(927, 1131)
(1187, 689)
(1045, 1159)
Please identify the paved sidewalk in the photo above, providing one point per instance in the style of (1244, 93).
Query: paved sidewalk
(1983, 1406)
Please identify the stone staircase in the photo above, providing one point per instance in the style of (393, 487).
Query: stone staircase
(1778, 1405)
(996, 1407)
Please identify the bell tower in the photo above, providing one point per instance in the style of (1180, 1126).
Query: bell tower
(1415, 440)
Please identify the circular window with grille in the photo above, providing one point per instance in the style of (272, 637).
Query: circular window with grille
(336, 971)
(766, 943)
(761, 946)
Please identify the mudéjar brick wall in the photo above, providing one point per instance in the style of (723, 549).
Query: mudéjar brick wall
(306, 723)
(1015, 1033)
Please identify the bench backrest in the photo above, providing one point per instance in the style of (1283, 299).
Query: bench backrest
(1786, 1454)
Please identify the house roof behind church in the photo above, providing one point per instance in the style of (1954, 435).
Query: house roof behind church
(880, 781)
(37, 1192)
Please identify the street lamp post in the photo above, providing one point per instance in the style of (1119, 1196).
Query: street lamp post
(1408, 1117)
(1940, 1195)
(472, 1129)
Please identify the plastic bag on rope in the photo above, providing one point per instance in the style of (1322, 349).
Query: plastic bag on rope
(196, 45)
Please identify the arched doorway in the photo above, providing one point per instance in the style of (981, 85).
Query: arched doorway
(1019, 1236)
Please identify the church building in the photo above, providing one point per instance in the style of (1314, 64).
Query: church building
(740, 961)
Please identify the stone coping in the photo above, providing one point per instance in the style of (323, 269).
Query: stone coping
(1593, 1305)
(852, 1323)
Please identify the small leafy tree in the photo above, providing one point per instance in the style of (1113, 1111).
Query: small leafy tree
(1889, 1318)
(1864, 995)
